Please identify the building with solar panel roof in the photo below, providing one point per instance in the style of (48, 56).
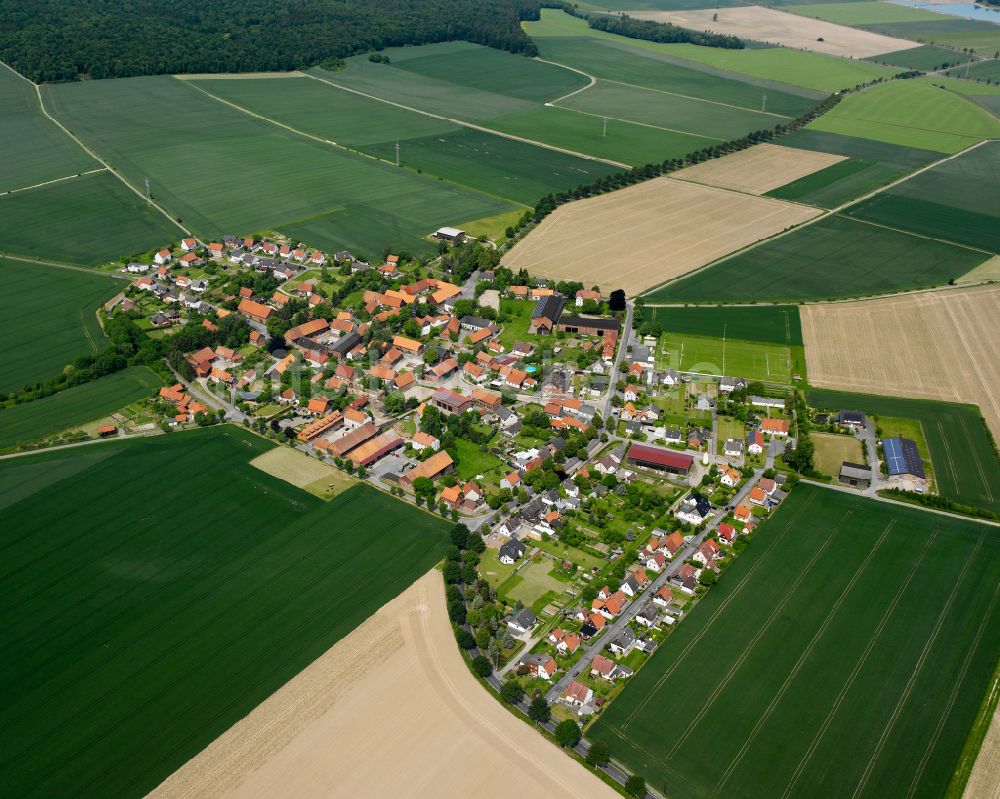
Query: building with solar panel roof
(902, 458)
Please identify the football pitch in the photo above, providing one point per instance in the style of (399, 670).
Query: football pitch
(156, 591)
(753, 360)
(845, 653)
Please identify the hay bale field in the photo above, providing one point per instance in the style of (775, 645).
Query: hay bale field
(860, 675)
(935, 345)
(759, 169)
(399, 680)
(780, 27)
(644, 235)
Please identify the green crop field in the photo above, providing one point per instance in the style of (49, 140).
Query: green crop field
(34, 149)
(778, 65)
(955, 201)
(959, 86)
(494, 164)
(615, 61)
(75, 406)
(86, 220)
(652, 107)
(927, 57)
(48, 316)
(753, 360)
(223, 171)
(845, 653)
(864, 14)
(624, 142)
(911, 114)
(981, 70)
(143, 617)
(966, 466)
(983, 37)
(775, 324)
(832, 258)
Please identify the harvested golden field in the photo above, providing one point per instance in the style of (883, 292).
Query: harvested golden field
(780, 27)
(644, 235)
(984, 782)
(293, 466)
(759, 169)
(936, 345)
(390, 711)
(985, 271)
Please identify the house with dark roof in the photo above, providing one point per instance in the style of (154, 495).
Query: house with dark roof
(511, 552)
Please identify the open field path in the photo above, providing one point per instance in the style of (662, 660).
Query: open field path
(91, 153)
(824, 215)
(54, 180)
(470, 125)
(58, 265)
(587, 75)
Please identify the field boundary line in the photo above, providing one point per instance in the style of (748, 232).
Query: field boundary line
(917, 668)
(92, 153)
(952, 472)
(698, 99)
(975, 457)
(845, 592)
(593, 80)
(954, 692)
(471, 125)
(722, 606)
(916, 234)
(825, 213)
(883, 623)
(75, 267)
(56, 180)
(761, 631)
(635, 122)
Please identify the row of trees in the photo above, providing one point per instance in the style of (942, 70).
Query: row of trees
(663, 32)
(63, 40)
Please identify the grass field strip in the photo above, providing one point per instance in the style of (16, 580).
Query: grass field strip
(470, 125)
(804, 761)
(722, 606)
(55, 180)
(917, 668)
(845, 592)
(827, 213)
(137, 673)
(761, 631)
(966, 662)
(91, 153)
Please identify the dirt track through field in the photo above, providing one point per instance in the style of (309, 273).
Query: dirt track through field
(642, 236)
(759, 169)
(936, 345)
(781, 27)
(390, 711)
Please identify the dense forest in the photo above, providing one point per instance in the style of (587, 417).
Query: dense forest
(62, 40)
(662, 32)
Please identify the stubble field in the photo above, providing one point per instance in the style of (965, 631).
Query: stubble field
(759, 169)
(859, 672)
(646, 234)
(156, 591)
(400, 681)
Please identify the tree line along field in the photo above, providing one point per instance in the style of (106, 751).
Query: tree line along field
(780, 65)
(956, 200)
(831, 258)
(48, 316)
(142, 625)
(75, 406)
(857, 672)
(500, 166)
(981, 70)
(221, 170)
(966, 466)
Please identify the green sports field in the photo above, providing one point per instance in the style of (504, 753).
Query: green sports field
(515, 170)
(157, 591)
(34, 149)
(223, 171)
(775, 324)
(753, 360)
(778, 65)
(955, 201)
(48, 316)
(832, 258)
(845, 653)
(911, 114)
(966, 466)
(87, 220)
(75, 406)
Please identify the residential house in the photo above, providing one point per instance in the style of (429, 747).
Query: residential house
(578, 694)
(775, 427)
(542, 666)
(511, 552)
(707, 552)
(733, 448)
(756, 445)
(522, 622)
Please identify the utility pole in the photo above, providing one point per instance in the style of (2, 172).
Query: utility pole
(605, 133)
(397, 153)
